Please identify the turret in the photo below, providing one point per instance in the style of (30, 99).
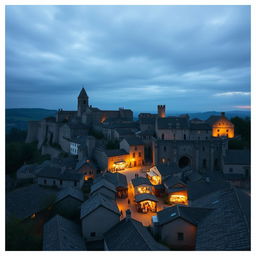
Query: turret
(82, 102)
(161, 111)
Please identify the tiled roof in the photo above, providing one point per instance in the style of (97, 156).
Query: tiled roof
(131, 235)
(212, 119)
(96, 201)
(134, 141)
(191, 214)
(200, 126)
(172, 123)
(115, 152)
(228, 226)
(23, 202)
(240, 157)
(61, 234)
(69, 191)
(140, 181)
(102, 183)
(73, 176)
(171, 181)
(50, 172)
(145, 196)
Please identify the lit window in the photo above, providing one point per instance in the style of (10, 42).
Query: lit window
(133, 155)
(135, 148)
(139, 154)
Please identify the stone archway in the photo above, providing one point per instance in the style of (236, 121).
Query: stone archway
(184, 161)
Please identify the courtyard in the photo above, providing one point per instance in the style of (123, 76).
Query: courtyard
(129, 203)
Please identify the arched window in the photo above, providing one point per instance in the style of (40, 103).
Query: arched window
(162, 136)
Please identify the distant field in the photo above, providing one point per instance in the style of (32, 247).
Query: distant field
(19, 117)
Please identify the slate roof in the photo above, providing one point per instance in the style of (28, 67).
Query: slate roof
(167, 170)
(69, 191)
(87, 166)
(73, 176)
(145, 196)
(115, 152)
(239, 157)
(191, 214)
(131, 235)
(199, 188)
(228, 226)
(95, 201)
(61, 234)
(140, 181)
(171, 181)
(81, 140)
(25, 201)
(134, 141)
(172, 123)
(116, 178)
(124, 131)
(212, 119)
(200, 126)
(49, 172)
(102, 183)
(26, 169)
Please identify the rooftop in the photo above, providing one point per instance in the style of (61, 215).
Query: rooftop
(61, 234)
(240, 157)
(134, 141)
(172, 123)
(115, 152)
(69, 191)
(140, 181)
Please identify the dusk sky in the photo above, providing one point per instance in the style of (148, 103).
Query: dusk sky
(190, 58)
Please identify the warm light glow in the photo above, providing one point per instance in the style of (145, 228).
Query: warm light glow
(143, 190)
(155, 180)
(223, 127)
(33, 216)
(148, 205)
(178, 199)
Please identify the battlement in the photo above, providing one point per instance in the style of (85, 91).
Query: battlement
(161, 111)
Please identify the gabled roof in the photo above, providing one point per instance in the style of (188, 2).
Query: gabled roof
(102, 183)
(228, 226)
(240, 157)
(71, 175)
(81, 140)
(98, 200)
(167, 169)
(23, 202)
(131, 235)
(140, 181)
(171, 181)
(212, 119)
(116, 178)
(172, 123)
(50, 172)
(83, 94)
(200, 126)
(69, 191)
(191, 214)
(134, 141)
(145, 196)
(61, 234)
(115, 152)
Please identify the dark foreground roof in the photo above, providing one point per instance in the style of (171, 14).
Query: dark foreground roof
(61, 234)
(102, 183)
(140, 181)
(117, 179)
(173, 123)
(240, 157)
(23, 202)
(228, 226)
(134, 141)
(167, 169)
(69, 191)
(131, 235)
(191, 214)
(96, 201)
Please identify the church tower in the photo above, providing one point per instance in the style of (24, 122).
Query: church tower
(161, 111)
(82, 102)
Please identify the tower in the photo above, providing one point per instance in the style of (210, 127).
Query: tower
(82, 102)
(161, 111)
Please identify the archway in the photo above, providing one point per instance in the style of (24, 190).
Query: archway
(184, 162)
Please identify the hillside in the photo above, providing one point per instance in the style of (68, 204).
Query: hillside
(19, 117)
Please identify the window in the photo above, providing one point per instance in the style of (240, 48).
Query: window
(226, 130)
(75, 183)
(203, 148)
(180, 236)
(60, 182)
(93, 234)
(135, 148)
(230, 169)
(218, 130)
(139, 154)
(133, 155)
(54, 182)
(162, 136)
(185, 137)
(84, 101)
(165, 148)
(45, 181)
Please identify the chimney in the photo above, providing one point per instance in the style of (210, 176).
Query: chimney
(128, 214)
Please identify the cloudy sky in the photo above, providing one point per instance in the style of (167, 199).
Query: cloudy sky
(190, 58)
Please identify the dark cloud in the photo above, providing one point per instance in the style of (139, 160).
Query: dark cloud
(191, 58)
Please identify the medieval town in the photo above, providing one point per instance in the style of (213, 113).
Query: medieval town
(117, 183)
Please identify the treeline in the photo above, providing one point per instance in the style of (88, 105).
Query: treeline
(18, 152)
(242, 128)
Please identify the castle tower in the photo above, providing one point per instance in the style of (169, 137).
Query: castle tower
(161, 111)
(82, 101)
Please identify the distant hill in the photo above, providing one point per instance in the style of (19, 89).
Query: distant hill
(19, 117)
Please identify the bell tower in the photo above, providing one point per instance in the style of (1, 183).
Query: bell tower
(161, 111)
(82, 102)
